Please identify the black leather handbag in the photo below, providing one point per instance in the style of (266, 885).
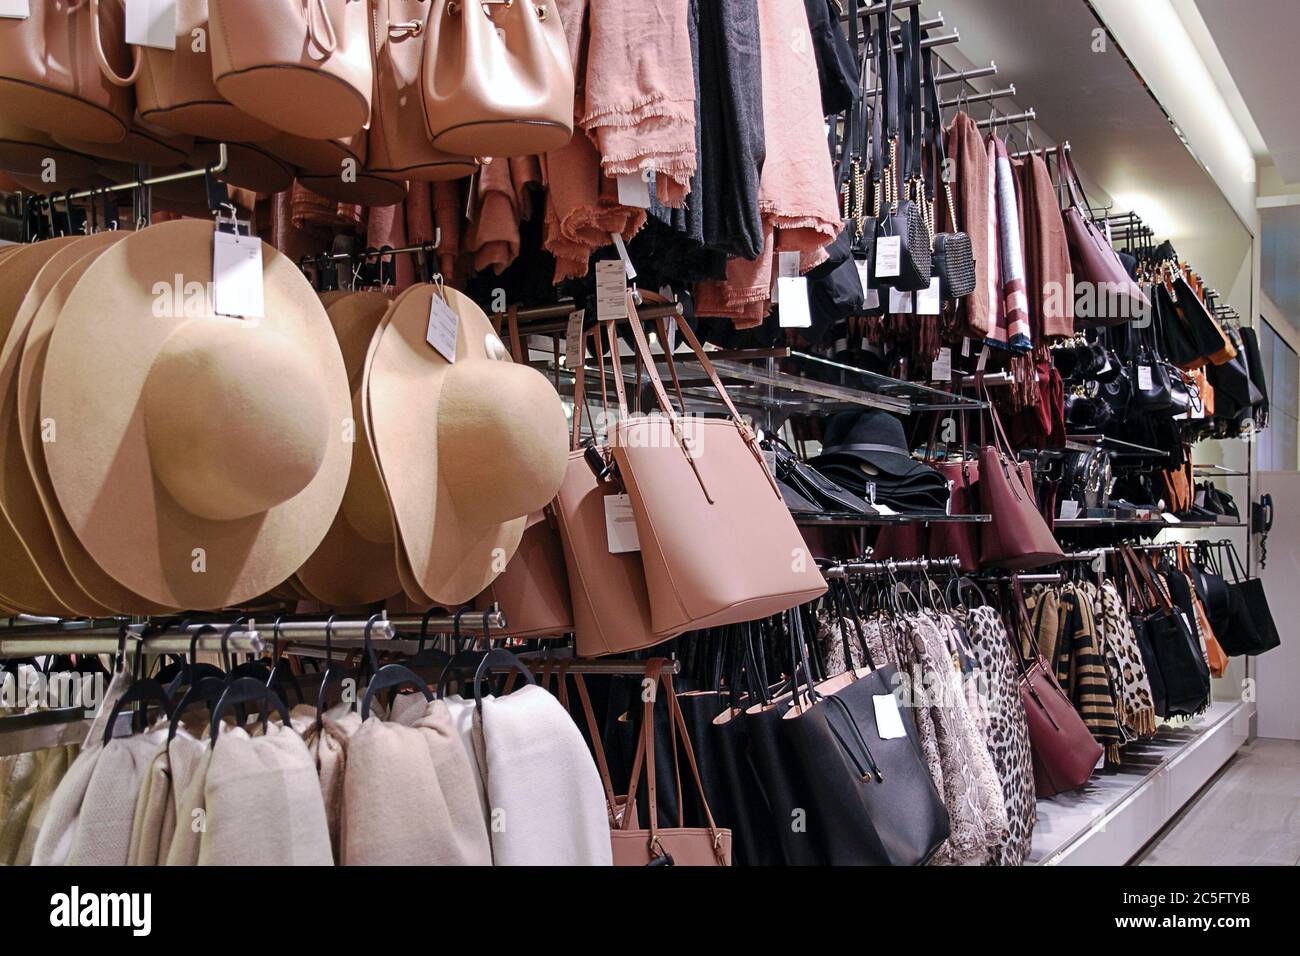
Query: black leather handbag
(1152, 390)
(1252, 630)
(904, 220)
(873, 801)
(1184, 672)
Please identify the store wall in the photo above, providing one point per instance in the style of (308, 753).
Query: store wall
(1277, 673)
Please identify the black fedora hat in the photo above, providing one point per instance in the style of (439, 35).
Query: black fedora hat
(873, 437)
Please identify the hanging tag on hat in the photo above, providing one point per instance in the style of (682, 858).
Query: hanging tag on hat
(15, 9)
(151, 23)
(611, 291)
(444, 325)
(237, 286)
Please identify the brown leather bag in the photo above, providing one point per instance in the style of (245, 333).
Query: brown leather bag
(611, 607)
(718, 543)
(1092, 260)
(1215, 655)
(497, 78)
(399, 135)
(656, 845)
(1064, 750)
(174, 88)
(533, 590)
(1018, 537)
(50, 78)
(302, 66)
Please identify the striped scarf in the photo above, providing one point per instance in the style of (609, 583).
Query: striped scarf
(1064, 622)
(1009, 300)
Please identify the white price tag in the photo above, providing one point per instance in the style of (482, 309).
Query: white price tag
(573, 339)
(870, 296)
(634, 189)
(1170, 518)
(889, 722)
(444, 328)
(883, 509)
(1069, 509)
(620, 525)
(15, 9)
(941, 370)
(622, 254)
(151, 23)
(611, 291)
(965, 346)
(787, 267)
(1144, 377)
(795, 311)
(900, 303)
(237, 275)
(928, 301)
(889, 256)
(983, 360)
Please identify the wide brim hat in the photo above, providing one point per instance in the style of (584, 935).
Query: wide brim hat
(26, 496)
(873, 437)
(467, 450)
(356, 562)
(200, 458)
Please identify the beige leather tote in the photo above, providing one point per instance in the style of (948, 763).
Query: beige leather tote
(50, 78)
(302, 66)
(399, 136)
(611, 608)
(718, 544)
(498, 80)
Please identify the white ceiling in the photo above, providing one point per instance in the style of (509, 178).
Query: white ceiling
(1257, 42)
(1122, 142)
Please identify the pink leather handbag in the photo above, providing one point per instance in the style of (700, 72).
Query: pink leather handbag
(302, 66)
(50, 78)
(611, 608)
(718, 543)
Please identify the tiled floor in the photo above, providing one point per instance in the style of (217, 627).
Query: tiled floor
(1248, 815)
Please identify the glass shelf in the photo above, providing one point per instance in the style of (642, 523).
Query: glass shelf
(1068, 523)
(829, 520)
(1218, 471)
(1116, 446)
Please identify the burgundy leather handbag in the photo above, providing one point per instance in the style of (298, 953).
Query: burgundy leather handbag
(1018, 537)
(1117, 298)
(1065, 752)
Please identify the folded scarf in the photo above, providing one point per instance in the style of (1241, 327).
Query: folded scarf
(639, 95)
(970, 195)
(90, 814)
(262, 802)
(328, 748)
(408, 795)
(1047, 253)
(548, 805)
(582, 208)
(1080, 668)
(154, 823)
(1012, 308)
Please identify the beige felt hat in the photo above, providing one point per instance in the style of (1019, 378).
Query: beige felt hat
(466, 450)
(356, 563)
(200, 459)
(55, 282)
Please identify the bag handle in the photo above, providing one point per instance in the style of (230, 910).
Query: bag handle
(597, 745)
(746, 433)
(320, 29)
(97, 43)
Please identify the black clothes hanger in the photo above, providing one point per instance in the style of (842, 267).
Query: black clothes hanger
(464, 658)
(142, 690)
(497, 657)
(206, 682)
(428, 657)
(389, 676)
(282, 677)
(333, 674)
(240, 691)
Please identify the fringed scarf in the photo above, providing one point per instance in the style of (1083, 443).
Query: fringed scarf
(1010, 305)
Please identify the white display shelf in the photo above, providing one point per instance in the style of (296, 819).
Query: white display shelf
(1117, 813)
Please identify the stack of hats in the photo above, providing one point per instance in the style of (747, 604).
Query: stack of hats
(156, 456)
(861, 449)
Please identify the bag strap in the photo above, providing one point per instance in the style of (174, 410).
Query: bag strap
(746, 433)
(97, 43)
(597, 744)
